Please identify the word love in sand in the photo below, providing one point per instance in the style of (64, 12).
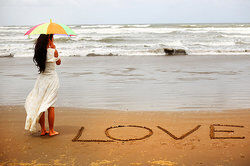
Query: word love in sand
(150, 133)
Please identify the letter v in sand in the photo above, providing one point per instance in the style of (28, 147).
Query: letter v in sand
(181, 137)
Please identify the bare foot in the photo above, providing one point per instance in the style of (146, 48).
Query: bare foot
(43, 133)
(52, 133)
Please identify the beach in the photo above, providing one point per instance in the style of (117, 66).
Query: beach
(191, 142)
(122, 101)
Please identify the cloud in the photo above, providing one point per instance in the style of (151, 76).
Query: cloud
(31, 12)
(37, 3)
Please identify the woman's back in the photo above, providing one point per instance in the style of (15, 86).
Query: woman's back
(50, 65)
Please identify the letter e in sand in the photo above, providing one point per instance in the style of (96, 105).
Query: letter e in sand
(213, 130)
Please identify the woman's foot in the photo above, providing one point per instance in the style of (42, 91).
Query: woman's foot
(44, 132)
(52, 133)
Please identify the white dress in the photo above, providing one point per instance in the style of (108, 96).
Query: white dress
(44, 93)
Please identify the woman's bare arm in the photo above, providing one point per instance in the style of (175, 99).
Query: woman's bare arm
(56, 53)
(58, 62)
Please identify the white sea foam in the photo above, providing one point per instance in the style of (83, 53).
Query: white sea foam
(135, 39)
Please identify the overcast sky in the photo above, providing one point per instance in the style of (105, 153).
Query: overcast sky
(32, 12)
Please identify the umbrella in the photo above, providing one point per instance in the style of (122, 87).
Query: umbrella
(51, 28)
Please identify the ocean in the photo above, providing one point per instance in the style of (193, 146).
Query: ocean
(139, 40)
(215, 75)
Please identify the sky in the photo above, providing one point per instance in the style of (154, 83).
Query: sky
(33, 12)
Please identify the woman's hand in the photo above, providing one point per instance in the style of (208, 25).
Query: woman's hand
(58, 62)
(52, 45)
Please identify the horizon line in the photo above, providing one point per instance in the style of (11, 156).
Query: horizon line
(138, 23)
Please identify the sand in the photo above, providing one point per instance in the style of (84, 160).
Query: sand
(136, 138)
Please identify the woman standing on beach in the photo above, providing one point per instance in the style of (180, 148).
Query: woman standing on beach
(44, 94)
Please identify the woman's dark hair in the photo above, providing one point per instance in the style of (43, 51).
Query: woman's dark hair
(40, 54)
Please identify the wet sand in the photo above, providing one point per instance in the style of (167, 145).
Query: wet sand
(172, 138)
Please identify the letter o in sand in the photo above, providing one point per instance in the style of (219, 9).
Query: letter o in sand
(130, 139)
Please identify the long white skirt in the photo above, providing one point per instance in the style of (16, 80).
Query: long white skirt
(42, 96)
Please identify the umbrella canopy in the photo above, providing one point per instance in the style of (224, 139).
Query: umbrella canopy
(51, 28)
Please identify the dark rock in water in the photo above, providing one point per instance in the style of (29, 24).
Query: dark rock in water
(171, 51)
(93, 54)
(8, 56)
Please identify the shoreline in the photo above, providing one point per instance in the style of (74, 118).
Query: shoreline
(109, 137)
(96, 110)
(242, 53)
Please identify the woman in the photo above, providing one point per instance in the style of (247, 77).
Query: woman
(44, 94)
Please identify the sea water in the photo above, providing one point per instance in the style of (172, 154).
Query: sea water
(140, 40)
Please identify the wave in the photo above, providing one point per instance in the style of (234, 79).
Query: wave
(11, 55)
(95, 26)
(14, 27)
(210, 72)
(74, 26)
(240, 42)
(219, 52)
(63, 39)
(115, 26)
(158, 50)
(226, 43)
(235, 36)
(103, 40)
(111, 40)
(148, 52)
(223, 43)
(187, 25)
(93, 54)
(159, 25)
(191, 26)
(212, 25)
(176, 43)
(136, 26)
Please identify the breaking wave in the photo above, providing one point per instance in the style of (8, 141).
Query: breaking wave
(135, 40)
